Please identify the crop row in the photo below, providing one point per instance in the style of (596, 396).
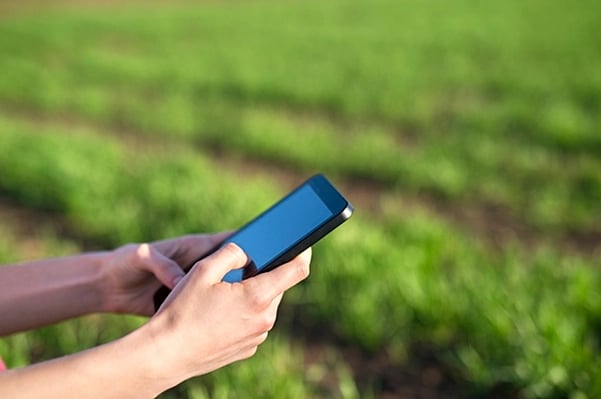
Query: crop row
(529, 320)
(508, 117)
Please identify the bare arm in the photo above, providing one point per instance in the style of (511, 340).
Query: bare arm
(203, 325)
(119, 369)
(43, 292)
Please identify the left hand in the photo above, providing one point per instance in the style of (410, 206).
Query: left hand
(134, 272)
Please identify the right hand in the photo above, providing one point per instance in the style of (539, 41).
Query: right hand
(206, 324)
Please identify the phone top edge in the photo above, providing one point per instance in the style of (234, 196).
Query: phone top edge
(329, 194)
(348, 211)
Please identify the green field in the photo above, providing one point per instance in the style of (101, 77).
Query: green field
(467, 135)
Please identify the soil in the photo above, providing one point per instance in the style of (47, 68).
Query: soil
(421, 376)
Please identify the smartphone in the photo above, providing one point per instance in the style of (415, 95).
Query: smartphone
(286, 229)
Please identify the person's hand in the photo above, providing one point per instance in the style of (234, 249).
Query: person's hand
(206, 323)
(134, 272)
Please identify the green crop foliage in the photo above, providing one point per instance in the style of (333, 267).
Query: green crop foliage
(454, 100)
(496, 318)
(116, 120)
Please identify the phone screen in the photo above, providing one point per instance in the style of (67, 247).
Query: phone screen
(272, 233)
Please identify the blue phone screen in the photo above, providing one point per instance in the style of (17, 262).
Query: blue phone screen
(272, 233)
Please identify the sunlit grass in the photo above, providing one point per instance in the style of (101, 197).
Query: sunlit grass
(114, 119)
(498, 104)
(389, 284)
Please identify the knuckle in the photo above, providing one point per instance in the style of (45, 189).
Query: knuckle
(142, 250)
(250, 352)
(302, 269)
(258, 300)
(265, 324)
(235, 252)
(262, 338)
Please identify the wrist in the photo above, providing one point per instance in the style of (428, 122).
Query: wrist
(158, 352)
(103, 282)
(154, 372)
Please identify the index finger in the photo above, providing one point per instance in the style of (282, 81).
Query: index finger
(282, 278)
(187, 250)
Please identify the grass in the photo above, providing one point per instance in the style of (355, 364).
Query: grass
(112, 119)
(531, 124)
(412, 298)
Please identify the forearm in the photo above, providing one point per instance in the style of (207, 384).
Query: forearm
(125, 368)
(39, 293)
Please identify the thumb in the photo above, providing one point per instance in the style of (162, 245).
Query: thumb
(228, 257)
(164, 269)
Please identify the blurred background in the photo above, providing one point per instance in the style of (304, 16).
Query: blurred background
(467, 134)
